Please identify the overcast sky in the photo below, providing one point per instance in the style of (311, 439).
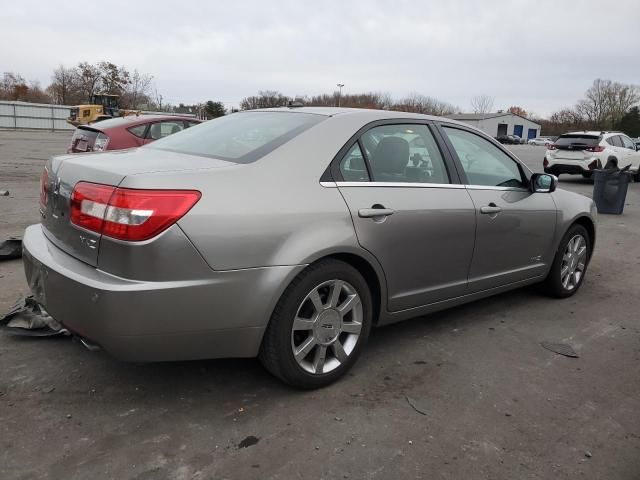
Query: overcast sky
(541, 55)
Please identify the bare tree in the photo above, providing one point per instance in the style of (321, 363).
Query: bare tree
(606, 102)
(516, 110)
(419, 103)
(482, 104)
(63, 89)
(265, 99)
(138, 90)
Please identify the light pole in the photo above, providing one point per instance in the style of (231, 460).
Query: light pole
(339, 85)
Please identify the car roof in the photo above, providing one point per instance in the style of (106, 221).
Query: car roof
(595, 133)
(133, 120)
(362, 113)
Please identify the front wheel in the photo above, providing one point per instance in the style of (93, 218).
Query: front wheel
(570, 263)
(319, 325)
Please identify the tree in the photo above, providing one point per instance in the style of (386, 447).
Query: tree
(265, 99)
(63, 89)
(418, 103)
(13, 87)
(88, 78)
(113, 79)
(630, 122)
(606, 102)
(518, 111)
(482, 104)
(214, 109)
(138, 90)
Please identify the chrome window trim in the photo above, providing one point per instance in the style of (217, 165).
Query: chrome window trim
(399, 185)
(328, 184)
(488, 187)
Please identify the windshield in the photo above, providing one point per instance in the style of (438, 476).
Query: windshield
(577, 139)
(240, 137)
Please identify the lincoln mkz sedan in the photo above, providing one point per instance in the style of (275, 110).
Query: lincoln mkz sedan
(289, 233)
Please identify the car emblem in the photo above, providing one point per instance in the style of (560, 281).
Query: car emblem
(55, 198)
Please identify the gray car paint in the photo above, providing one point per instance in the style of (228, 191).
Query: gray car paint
(207, 286)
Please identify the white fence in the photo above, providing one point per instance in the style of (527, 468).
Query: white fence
(42, 116)
(34, 115)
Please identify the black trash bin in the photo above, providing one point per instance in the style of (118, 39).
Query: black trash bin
(610, 189)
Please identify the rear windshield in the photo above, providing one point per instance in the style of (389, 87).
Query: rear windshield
(577, 139)
(242, 137)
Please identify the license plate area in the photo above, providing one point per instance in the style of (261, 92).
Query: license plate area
(82, 145)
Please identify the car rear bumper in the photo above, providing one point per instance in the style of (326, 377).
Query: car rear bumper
(223, 315)
(558, 168)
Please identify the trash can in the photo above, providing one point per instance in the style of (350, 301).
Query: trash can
(610, 189)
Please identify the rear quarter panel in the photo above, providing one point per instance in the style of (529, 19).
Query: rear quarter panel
(271, 212)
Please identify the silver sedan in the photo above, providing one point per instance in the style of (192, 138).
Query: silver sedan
(289, 233)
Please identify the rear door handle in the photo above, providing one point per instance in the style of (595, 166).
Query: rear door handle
(375, 212)
(490, 209)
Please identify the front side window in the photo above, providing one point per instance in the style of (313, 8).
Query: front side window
(627, 143)
(164, 129)
(138, 130)
(483, 162)
(240, 137)
(404, 153)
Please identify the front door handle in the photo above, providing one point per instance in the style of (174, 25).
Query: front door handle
(375, 212)
(490, 209)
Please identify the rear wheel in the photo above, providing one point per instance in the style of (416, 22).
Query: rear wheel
(570, 263)
(319, 325)
(587, 175)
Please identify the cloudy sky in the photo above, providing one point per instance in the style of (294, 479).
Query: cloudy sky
(541, 54)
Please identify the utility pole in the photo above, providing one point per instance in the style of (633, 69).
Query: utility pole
(339, 85)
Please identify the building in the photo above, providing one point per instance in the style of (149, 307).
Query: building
(500, 123)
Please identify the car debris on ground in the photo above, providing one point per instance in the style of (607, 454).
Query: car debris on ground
(4, 193)
(11, 249)
(27, 318)
(561, 349)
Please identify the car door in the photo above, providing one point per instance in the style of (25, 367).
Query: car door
(158, 130)
(632, 156)
(515, 227)
(409, 211)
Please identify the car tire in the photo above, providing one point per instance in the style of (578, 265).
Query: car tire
(309, 343)
(560, 283)
(587, 175)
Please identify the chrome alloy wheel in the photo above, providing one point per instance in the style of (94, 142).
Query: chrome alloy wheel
(327, 326)
(573, 262)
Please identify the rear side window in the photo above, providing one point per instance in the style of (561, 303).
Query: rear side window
(240, 137)
(404, 153)
(627, 143)
(576, 141)
(353, 167)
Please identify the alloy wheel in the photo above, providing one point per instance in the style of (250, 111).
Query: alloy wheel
(573, 262)
(327, 326)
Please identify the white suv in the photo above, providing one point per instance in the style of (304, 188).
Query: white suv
(582, 152)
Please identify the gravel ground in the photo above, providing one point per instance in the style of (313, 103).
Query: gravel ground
(497, 404)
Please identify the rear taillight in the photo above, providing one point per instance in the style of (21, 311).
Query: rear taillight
(44, 188)
(545, 163)
(128, 214)
(101, 143)
(596, 149)
(552, 146)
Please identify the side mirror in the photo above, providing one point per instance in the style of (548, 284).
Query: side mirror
(543, 183)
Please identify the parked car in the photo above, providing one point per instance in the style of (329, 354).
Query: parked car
(289, 233)
(540, 141)
(127, 132)
(508, 139)
(579, 153)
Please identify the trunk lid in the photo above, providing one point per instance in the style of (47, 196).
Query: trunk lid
(109, 168)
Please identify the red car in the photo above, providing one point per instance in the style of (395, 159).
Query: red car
(127, 132)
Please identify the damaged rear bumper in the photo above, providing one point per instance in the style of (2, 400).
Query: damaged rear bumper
(222, 315)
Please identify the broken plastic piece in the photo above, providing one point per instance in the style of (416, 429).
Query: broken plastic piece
(420, 410)
(10, 249)
(28, 318)
(4, 193)
(561, 349)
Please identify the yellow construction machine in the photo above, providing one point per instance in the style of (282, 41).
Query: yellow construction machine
(100, 107)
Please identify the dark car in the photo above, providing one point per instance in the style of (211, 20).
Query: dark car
(508, 139)
(127, 132)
